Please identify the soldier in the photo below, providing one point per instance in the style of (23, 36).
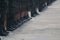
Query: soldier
(33, 8)
(13, 14)
(3, 26)
(24, 9)
(42, 5)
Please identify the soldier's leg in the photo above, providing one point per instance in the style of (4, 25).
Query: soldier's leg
(26, 15)
(40, 7)
(3, 26)
(33, 12)
(22, 15)
(29, 14)
(33, 9)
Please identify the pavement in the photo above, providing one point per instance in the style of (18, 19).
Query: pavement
(45, 26)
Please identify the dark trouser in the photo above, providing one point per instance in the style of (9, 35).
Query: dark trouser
(2, 29)
(42, 5)
(33, 8)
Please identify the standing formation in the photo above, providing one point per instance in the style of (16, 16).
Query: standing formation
(14, 13)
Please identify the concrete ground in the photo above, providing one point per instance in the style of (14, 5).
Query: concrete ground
(45, 26)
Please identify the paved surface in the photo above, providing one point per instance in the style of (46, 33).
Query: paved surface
(45, 26)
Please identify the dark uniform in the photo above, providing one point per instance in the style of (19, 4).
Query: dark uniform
(41, 4)
(24, 8)
(3, 29)
(33, 8)
(18, 12)
(13, 14)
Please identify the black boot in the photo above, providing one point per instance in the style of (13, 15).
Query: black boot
(34, 14)
(26, 17)
(11, 26)
(22, 19)
(19, 21)
(41, 9)
(4, 33)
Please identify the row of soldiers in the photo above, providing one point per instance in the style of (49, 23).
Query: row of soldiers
(14, 12)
